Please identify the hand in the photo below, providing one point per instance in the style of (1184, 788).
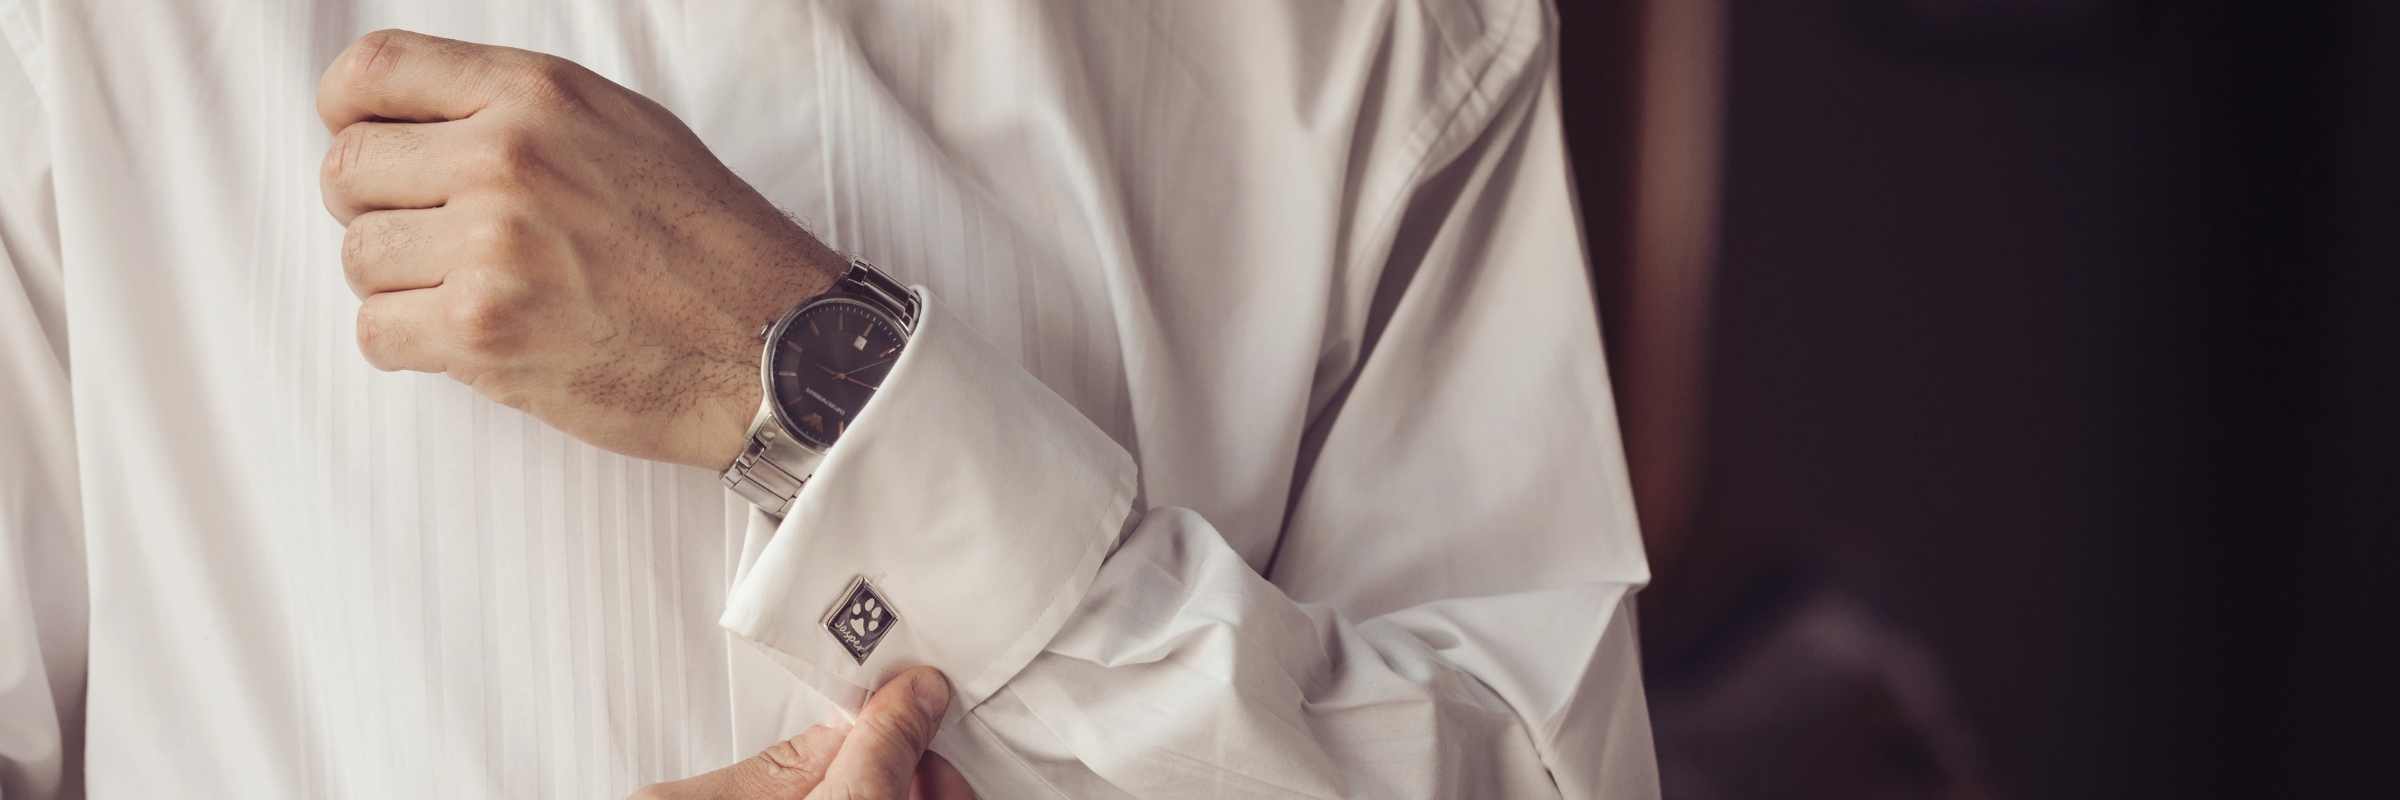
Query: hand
(882, 756)
(556, 241)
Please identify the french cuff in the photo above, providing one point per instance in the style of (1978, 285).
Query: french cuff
(957, 524)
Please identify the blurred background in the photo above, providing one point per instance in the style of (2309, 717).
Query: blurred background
(2005, 384)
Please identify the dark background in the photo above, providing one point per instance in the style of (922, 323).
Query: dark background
(2062, 333)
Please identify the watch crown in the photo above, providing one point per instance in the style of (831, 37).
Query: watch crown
(762, 331)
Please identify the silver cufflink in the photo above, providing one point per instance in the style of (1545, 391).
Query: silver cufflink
(860, 619)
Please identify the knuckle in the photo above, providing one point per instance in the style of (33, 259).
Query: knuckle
(488, 315)
(374, 56)
(329, 172)
(787, 761)
(502, 238)
(484, 320)
(552, 79)
(374, 339)
(512, 154)
(340, 155)
(354, 251)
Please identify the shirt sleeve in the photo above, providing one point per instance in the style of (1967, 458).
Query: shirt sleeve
(1099, 648)
(42, 597)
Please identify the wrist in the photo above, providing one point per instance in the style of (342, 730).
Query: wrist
(821, 365)
(722, 424)
(797, 269)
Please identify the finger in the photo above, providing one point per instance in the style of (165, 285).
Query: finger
(395, 251)
(891, 734)
(402, 75)
(401, 330)
(937, 780)
(789, 769)
(377, 165)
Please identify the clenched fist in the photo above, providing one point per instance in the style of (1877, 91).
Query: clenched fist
(560, 243)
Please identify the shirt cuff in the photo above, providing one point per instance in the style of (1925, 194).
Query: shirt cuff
(976, 504)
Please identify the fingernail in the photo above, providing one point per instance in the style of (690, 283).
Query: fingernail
(931, 692)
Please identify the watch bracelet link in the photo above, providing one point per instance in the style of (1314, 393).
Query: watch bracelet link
(761, 480)
(773, 465)
(867, 283)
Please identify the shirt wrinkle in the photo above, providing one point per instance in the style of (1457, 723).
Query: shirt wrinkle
(380, 585)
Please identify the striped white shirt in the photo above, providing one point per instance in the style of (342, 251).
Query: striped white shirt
(1257, 440)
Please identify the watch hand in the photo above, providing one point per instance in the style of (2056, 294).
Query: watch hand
(869, 365)
(845, 376)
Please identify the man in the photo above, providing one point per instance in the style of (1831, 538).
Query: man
(1217, 402)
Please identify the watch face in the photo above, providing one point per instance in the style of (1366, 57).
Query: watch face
(827, 364)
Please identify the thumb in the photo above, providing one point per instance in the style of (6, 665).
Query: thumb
(890, 736)
(785, 770)
(788, 770)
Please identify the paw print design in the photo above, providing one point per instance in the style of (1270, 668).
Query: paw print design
(866, 616)
(860, 619)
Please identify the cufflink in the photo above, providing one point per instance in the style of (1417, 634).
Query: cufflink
(860, 618)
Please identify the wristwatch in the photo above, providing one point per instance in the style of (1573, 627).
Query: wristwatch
(821, 364)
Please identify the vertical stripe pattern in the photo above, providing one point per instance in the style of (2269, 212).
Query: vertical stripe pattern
(387, 585)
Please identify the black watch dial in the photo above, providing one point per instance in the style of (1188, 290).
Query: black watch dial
(827, 365)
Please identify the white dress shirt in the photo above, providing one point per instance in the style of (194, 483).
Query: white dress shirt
(1256, 440)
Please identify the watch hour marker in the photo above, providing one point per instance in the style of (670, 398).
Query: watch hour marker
(787, 373)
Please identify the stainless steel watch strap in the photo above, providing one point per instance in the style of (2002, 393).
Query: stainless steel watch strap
(774, 465)
(862, 281)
